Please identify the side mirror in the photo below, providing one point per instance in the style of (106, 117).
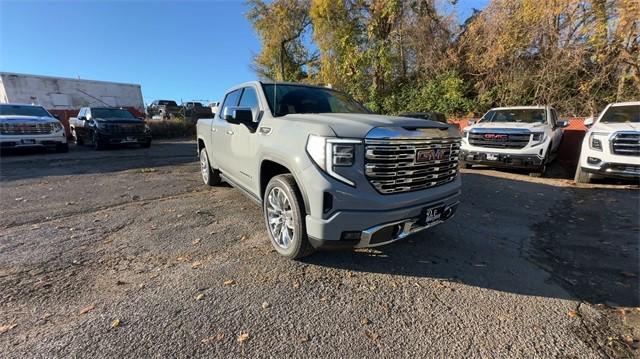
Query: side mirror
(57, 117)
(563, 123)
(588, 121)
(238, 115)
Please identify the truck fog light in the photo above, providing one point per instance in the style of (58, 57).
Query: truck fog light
(593, 160)
(350, 236)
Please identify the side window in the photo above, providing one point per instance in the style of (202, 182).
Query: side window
(250, 99)
(231, 100)
(87, 113)
(81, 113)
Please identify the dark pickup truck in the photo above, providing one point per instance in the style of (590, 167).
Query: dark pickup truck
(104, 126)
(165, 109)
(195, 110)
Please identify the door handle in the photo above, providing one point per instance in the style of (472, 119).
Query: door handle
(214, 130)
(229, 132)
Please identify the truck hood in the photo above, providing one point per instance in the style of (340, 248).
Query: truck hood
(356, 125)
(508, 125)
(613, 127)
(26, 119)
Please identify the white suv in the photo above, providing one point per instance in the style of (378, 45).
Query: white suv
(611, 147)
(30, 126)
(525, 137)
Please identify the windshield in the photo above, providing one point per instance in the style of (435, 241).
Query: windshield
(23, 110)
(516, 115)
(106, 113)
(622, 114)
(306, 99)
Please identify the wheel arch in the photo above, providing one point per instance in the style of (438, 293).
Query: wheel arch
(270, 168)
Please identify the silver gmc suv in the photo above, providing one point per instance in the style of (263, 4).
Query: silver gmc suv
(327, 172)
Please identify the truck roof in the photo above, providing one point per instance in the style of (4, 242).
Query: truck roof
(540, 107)
(629, 103)
(271, 82)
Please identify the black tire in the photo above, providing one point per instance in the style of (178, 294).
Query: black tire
(210, 176)
(582, 176)
(76, 138)
(98, 145)
(62, 148)
(540, 172)
(466, 165)
(298, 245)
(146, 144)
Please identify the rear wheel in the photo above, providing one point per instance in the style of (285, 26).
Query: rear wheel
(210, 176)
(582, 176)
(98, 144)
(283, 209)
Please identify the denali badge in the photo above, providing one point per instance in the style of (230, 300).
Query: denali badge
(495, 136)
(429, 155)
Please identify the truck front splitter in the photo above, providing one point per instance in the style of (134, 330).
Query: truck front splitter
(501, 159)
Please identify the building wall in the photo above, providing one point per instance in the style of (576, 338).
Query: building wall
(68, 94)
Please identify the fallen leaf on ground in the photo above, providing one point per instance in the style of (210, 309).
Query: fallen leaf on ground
(229, 282)
(87, 309)
(116, 323)
(572, 313)
(196, 264)
(7, 327)
(243, 337)
(243, 238)
(195, 241)
(371, 335)
(199, 296)
(365, 321)
(265, 305)
(214, 338)
(295, 284)
(305, 338)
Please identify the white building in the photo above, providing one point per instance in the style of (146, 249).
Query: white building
(58, 93)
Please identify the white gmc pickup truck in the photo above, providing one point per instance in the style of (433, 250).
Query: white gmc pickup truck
(611, 147)
(525, 137)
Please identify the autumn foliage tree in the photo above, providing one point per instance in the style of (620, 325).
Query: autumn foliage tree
(408, 55)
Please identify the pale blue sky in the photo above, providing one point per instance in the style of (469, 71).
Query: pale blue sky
(179, 50)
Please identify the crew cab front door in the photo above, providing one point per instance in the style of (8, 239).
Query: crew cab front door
(243, 143)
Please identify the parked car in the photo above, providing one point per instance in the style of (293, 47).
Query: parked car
(30, 126)
(328, 172)
(104, 126)
(194, 110)
(433, 116)
(214, 107)
(611, 146)
(164, 109)
(525, 137)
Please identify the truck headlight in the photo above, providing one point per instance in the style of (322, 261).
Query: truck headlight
(57, 126)
(331, 152)
(595, 143)
(538, 138)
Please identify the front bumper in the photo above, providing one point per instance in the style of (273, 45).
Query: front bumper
(617, 170)
(372, 228)
(509, 160)
(27, 141)
(125, 139)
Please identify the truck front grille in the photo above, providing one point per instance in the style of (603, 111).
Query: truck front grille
(26, 128)
(125, 129)
(396, 166)
(626, 144)
(499, 140)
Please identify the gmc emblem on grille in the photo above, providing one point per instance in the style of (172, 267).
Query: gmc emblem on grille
(430, 155)
(495, 136)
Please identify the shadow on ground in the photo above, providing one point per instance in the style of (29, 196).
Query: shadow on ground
(516, 236)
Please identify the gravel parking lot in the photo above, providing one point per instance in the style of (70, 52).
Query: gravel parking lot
(126, 253)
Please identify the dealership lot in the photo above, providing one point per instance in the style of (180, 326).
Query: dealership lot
(125, 252)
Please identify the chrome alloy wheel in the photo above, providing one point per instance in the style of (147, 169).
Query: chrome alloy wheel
(204, 166)
(280, 217)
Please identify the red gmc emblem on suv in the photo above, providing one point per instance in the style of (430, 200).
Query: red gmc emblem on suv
(429, 155)
(495, 136)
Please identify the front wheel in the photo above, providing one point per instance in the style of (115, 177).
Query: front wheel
(98, 144)
(283, 209)
(210, 176)
(582, 176)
